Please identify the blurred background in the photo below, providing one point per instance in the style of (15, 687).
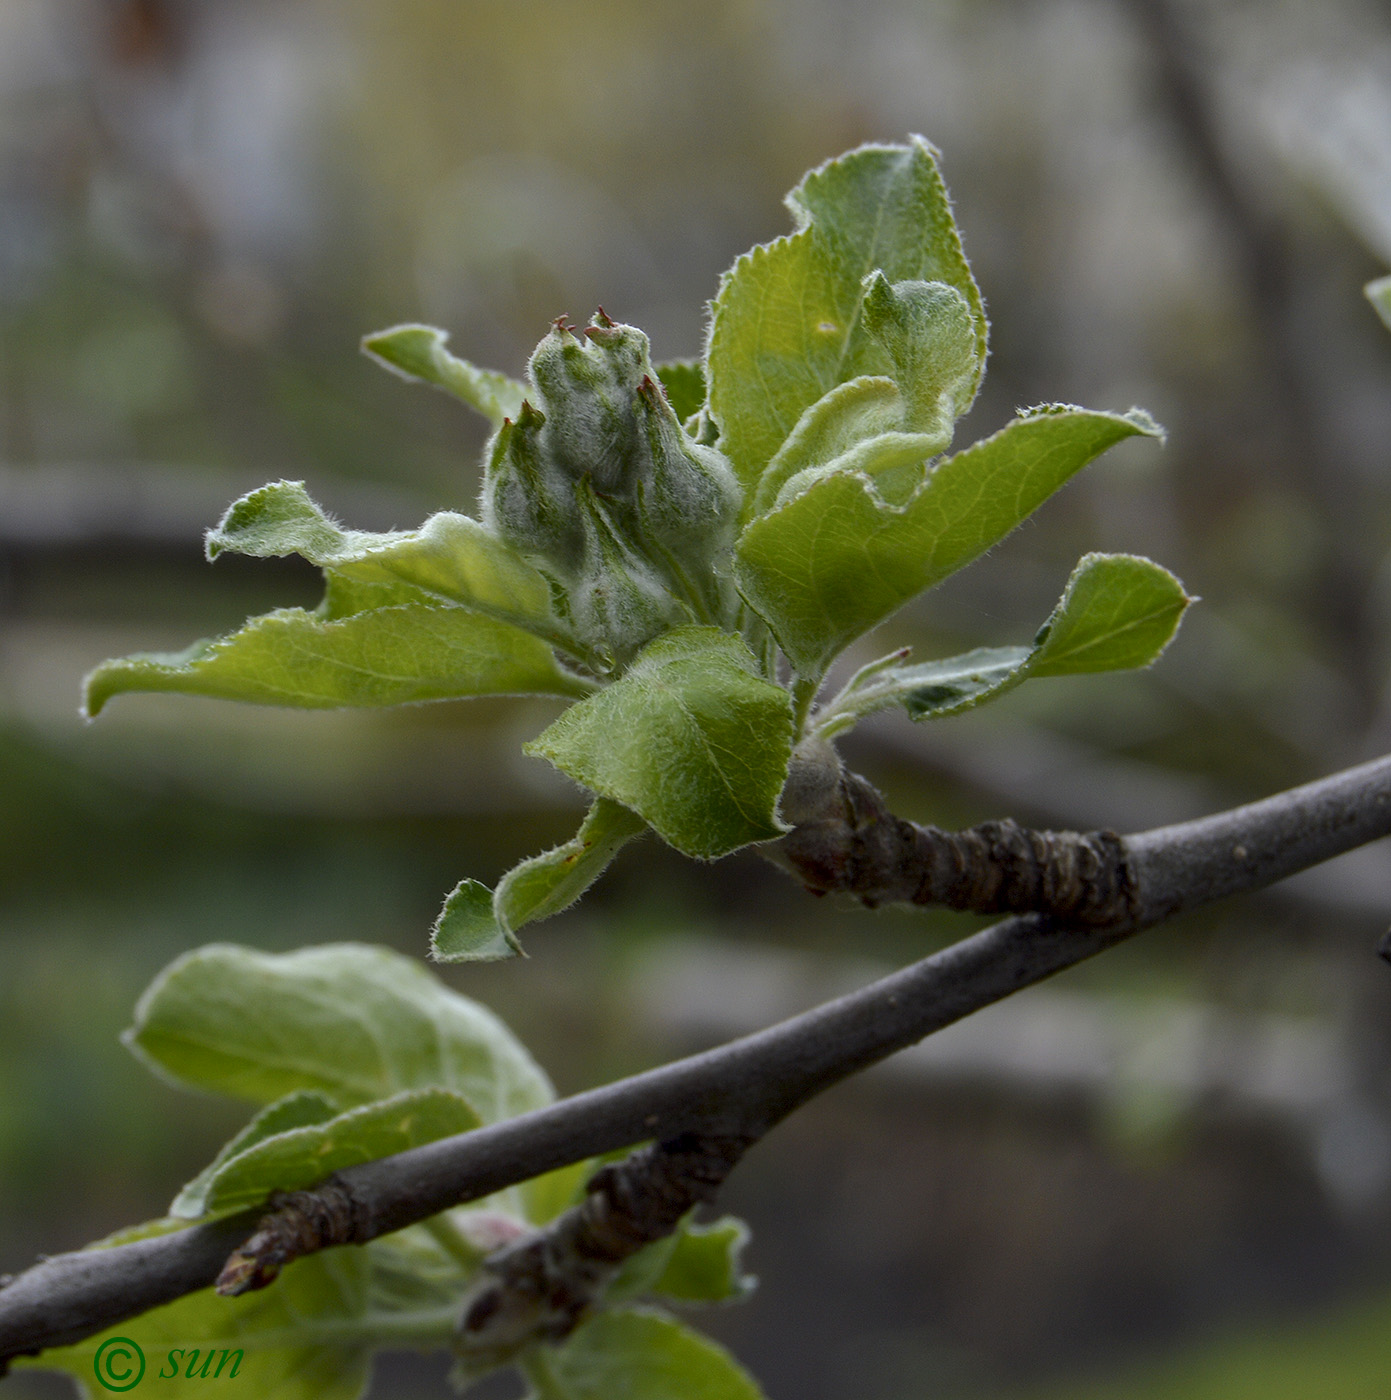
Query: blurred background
(1165, 1174)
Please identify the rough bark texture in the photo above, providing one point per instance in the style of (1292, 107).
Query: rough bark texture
(846, 840)
(298, 1223)
(542, 1287)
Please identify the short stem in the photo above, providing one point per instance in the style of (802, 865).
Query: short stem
(804, 690)
(449, 1238)
(536, 1367)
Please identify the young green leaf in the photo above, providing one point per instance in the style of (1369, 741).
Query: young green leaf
(1118, 612)
(695, 1264)
(705, 1263)
(302, 1157)
(554, 880)
(838, 559)
(301, 1109)
(451, 557)
(1379, 294)
(417, 352)
(832, 427)
(310, 1337)
(467, 929)
(929, 330)
(353, 1022)
(691, 738)
(788, 322)
(385, 656)
(684, 382)
(639, 1354)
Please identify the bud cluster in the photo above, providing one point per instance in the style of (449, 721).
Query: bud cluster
(598, 483)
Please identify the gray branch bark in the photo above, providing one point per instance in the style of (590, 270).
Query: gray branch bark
(740, 1090)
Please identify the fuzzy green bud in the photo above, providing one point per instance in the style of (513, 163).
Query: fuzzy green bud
(688, 505)
(604, 489)
(526, 500)
(618, 601)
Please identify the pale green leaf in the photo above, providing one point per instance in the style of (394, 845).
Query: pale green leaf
(385, 656)
(930, 332)
(703, 1263)
(302, 1157)
(684, 382)
(297, 1110)
(310, 1336)
(354, 1022)
(1379, 294)
(417, 352)
(548, 883)
(830, 428)
(691, 738)
(694, 1264)
(838, 559)
(637, 1354)
(451, 557)
(467, 929)
(788, 323)
(1118, 612)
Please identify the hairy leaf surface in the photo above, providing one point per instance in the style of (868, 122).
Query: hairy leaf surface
(298, 1158)
(548, 883)
(838, 559)
(384, 656)
(353, 1022)
(467, 929)
(788, 322)
(1119, 611)
(417, 352)
(301, 1109)
(691, 738)
(451, 557)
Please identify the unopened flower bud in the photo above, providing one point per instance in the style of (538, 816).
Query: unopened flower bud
(618, 601)
(526, 501)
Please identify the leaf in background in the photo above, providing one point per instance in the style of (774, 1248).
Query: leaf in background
(386, 656)
(696, 1264)
(298, 1110)
(1118, 612)
(788, 324)
(684, 382)
(417, 352)
(302, 1157)
(637, 1354)
(451, 556)
(838, 559)
(1379, 294)
(310, 1337)
(354, 1022)
(707, 1264)
(691, 738)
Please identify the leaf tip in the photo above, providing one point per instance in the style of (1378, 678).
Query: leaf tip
(468, 929)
